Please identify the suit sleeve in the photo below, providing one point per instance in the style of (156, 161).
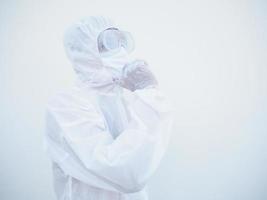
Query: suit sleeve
(86, 150)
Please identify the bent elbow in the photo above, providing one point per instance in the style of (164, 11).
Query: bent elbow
(133, 184)
(132, 188)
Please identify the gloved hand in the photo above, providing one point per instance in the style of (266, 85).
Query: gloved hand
(136, 75)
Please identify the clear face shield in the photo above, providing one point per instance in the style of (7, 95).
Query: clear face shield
(111, 40)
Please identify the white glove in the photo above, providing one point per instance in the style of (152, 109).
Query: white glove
(136, 75)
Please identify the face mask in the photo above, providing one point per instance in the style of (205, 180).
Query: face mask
(115, 62)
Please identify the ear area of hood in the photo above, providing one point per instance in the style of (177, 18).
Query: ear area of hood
(81, 47)
(82, 36)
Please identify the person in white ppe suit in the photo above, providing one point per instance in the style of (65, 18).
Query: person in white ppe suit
(107, 134)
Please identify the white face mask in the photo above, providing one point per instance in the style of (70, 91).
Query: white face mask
(116, 61)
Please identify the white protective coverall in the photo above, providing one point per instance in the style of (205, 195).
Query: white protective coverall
(105, 142)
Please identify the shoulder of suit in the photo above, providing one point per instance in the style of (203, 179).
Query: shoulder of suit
(72, 97)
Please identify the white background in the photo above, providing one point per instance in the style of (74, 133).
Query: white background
(210, 58)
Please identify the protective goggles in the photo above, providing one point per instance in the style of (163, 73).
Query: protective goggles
(112, 39)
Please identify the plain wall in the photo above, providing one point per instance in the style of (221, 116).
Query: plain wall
(210, 59)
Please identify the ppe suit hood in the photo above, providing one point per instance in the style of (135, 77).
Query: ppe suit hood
(81, 46)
